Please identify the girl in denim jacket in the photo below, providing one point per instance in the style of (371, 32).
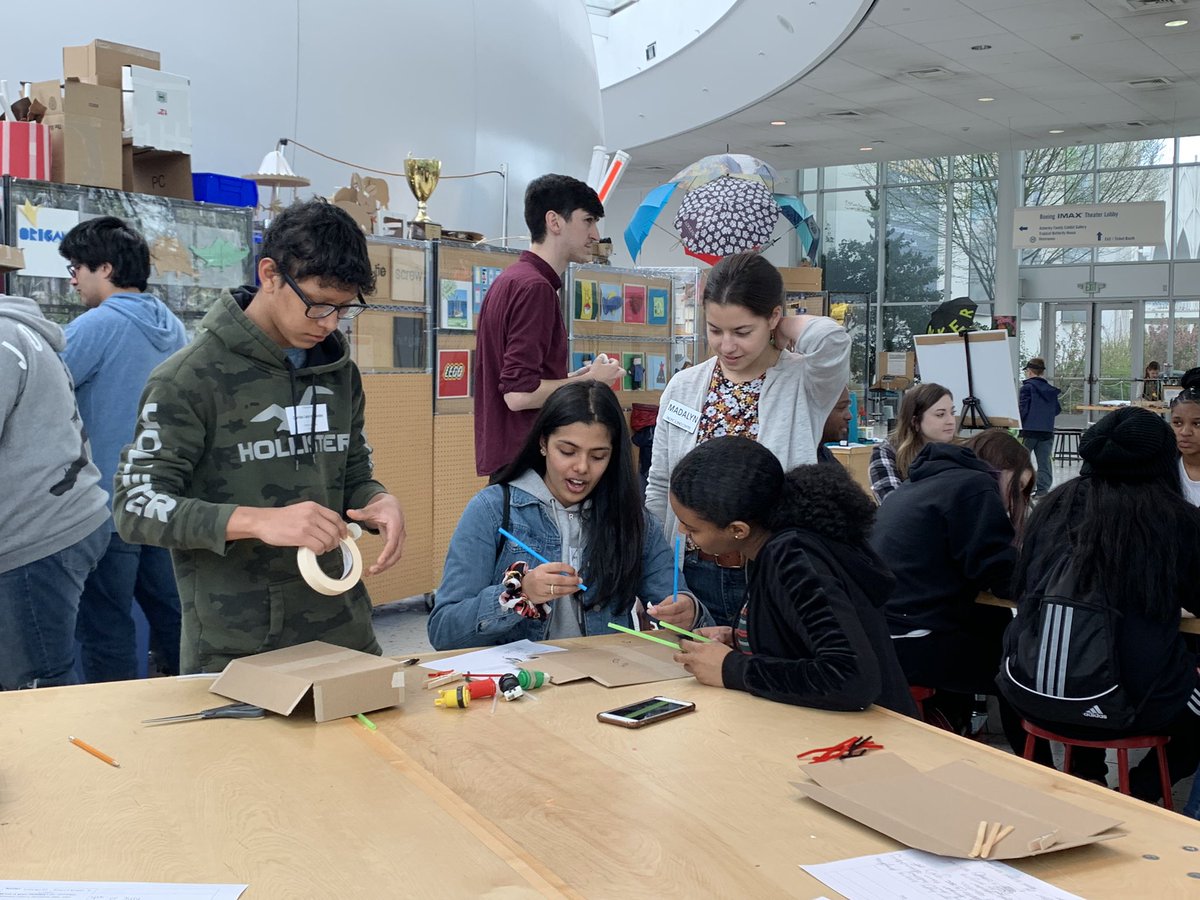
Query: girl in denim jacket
(571, 495)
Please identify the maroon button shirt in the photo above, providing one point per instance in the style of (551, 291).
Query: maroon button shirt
(521, 341)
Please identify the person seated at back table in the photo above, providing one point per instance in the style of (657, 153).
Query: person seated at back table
(810, 631)
(1130, 539)
(947, 534)
(570, 494)
(926, 416)
(837, 428)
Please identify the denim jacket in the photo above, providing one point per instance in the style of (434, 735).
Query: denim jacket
(467, 612)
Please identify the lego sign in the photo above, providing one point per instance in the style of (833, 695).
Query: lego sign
(453, 374)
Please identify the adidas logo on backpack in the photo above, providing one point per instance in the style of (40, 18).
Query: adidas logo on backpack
(1095, 713)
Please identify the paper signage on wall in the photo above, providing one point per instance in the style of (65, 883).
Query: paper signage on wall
(1096, 225)
(40, 229)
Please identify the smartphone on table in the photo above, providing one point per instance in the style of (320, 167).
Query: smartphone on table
(646, 712)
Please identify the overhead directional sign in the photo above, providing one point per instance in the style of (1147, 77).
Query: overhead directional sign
(1095, 225)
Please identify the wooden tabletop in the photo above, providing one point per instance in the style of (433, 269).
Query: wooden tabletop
(537, 799)
(1187, 623)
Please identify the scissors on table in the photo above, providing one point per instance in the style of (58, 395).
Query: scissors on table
(231, 711)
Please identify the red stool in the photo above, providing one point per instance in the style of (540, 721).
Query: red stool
(1121, 745)
(920, 695)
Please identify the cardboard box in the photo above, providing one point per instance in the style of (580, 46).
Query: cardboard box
(639, 662)
(85, 132)
(157, 109)
(939, 811)
(855, 459)
(100, 62)
(25, 150)
(156, 172)
(894, 370)
(342, 682)
(798, 279)
(381, 264)
(11, 258)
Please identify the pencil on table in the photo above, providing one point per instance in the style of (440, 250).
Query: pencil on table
(100, 755)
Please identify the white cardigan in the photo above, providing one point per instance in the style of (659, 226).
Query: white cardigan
(798, 394)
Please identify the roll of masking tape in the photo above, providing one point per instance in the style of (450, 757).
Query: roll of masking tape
(351, 566)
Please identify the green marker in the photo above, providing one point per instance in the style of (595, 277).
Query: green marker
(642, 635)
(367, 723)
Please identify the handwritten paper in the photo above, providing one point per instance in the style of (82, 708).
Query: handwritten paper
(116, 890)
(501, 660)
(914, 875)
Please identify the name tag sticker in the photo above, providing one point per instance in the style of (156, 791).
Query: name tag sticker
(682, 416)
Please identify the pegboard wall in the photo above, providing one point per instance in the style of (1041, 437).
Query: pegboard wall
(454, 482)
(399, 427)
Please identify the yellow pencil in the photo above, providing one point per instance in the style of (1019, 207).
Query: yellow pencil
(100, 755)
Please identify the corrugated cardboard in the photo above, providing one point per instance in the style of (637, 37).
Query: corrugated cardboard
(157, 109)
(156, 172)
(11, 258)
(939, 811)
(798, 279)
(613, 666)
(381, 264)
(343, 682)
(85, 132)
(895, 370)
(100, 62)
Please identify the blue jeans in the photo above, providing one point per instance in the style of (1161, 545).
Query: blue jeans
(1192, 807)
(105, 627)
(38, 603)
(722, 590)
(1041, 448)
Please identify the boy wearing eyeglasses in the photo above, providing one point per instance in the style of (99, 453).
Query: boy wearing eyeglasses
(111, 351)
(250, 444)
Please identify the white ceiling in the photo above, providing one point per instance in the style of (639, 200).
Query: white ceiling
(1051, 64)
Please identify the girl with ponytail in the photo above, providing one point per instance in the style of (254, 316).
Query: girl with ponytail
(811, 631)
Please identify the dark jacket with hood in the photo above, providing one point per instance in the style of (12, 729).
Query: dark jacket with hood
(946, 536)
(815, 628)
(1038, 403)
(228, 422)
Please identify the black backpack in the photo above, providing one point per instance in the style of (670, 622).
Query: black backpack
(1060, 664)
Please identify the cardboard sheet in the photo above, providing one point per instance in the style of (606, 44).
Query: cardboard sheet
(613, 666)
(939, 811)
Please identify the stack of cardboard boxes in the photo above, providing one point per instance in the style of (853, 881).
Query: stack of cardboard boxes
(116, 121)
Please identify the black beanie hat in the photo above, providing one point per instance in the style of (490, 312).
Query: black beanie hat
(1131, 444)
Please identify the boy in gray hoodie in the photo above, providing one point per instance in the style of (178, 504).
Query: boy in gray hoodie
(53, 512)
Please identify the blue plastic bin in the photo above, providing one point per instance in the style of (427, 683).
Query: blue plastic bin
(209, 187)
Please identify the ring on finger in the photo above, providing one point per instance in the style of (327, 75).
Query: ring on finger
(553, 590)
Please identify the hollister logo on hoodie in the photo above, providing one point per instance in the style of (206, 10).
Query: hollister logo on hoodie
(307, 427)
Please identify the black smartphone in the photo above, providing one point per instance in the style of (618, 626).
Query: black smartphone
(646, 712)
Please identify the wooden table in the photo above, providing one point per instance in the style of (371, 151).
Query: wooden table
(538, 799)
(1188, 623)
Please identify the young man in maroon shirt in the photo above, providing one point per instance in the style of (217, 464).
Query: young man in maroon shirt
(521, 340)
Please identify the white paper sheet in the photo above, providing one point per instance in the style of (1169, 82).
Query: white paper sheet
(116, 890)
(499, 660)
(914, 875)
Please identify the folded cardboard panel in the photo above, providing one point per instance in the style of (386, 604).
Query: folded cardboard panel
(342, 682)
(85, 132)
(11, 259)
(100, 62)
(939, 811)
(157, 172)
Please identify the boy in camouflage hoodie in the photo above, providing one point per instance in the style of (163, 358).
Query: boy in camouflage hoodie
(250, 444)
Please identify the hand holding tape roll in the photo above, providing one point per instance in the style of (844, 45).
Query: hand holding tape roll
(351, 560)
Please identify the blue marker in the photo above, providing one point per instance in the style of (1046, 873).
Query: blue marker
(675, 581)
(524, 546)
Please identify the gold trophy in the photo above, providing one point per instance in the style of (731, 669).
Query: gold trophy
(422, 176)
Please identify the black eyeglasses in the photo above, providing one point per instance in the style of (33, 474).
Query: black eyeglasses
(321, 310)
(71, 270)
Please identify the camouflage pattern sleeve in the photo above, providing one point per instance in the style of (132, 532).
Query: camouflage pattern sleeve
(360, 486)
(150, 502)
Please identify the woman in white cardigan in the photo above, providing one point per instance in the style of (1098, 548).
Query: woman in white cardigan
(751, 386)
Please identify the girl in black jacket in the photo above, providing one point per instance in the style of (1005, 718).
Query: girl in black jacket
(811, 632)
